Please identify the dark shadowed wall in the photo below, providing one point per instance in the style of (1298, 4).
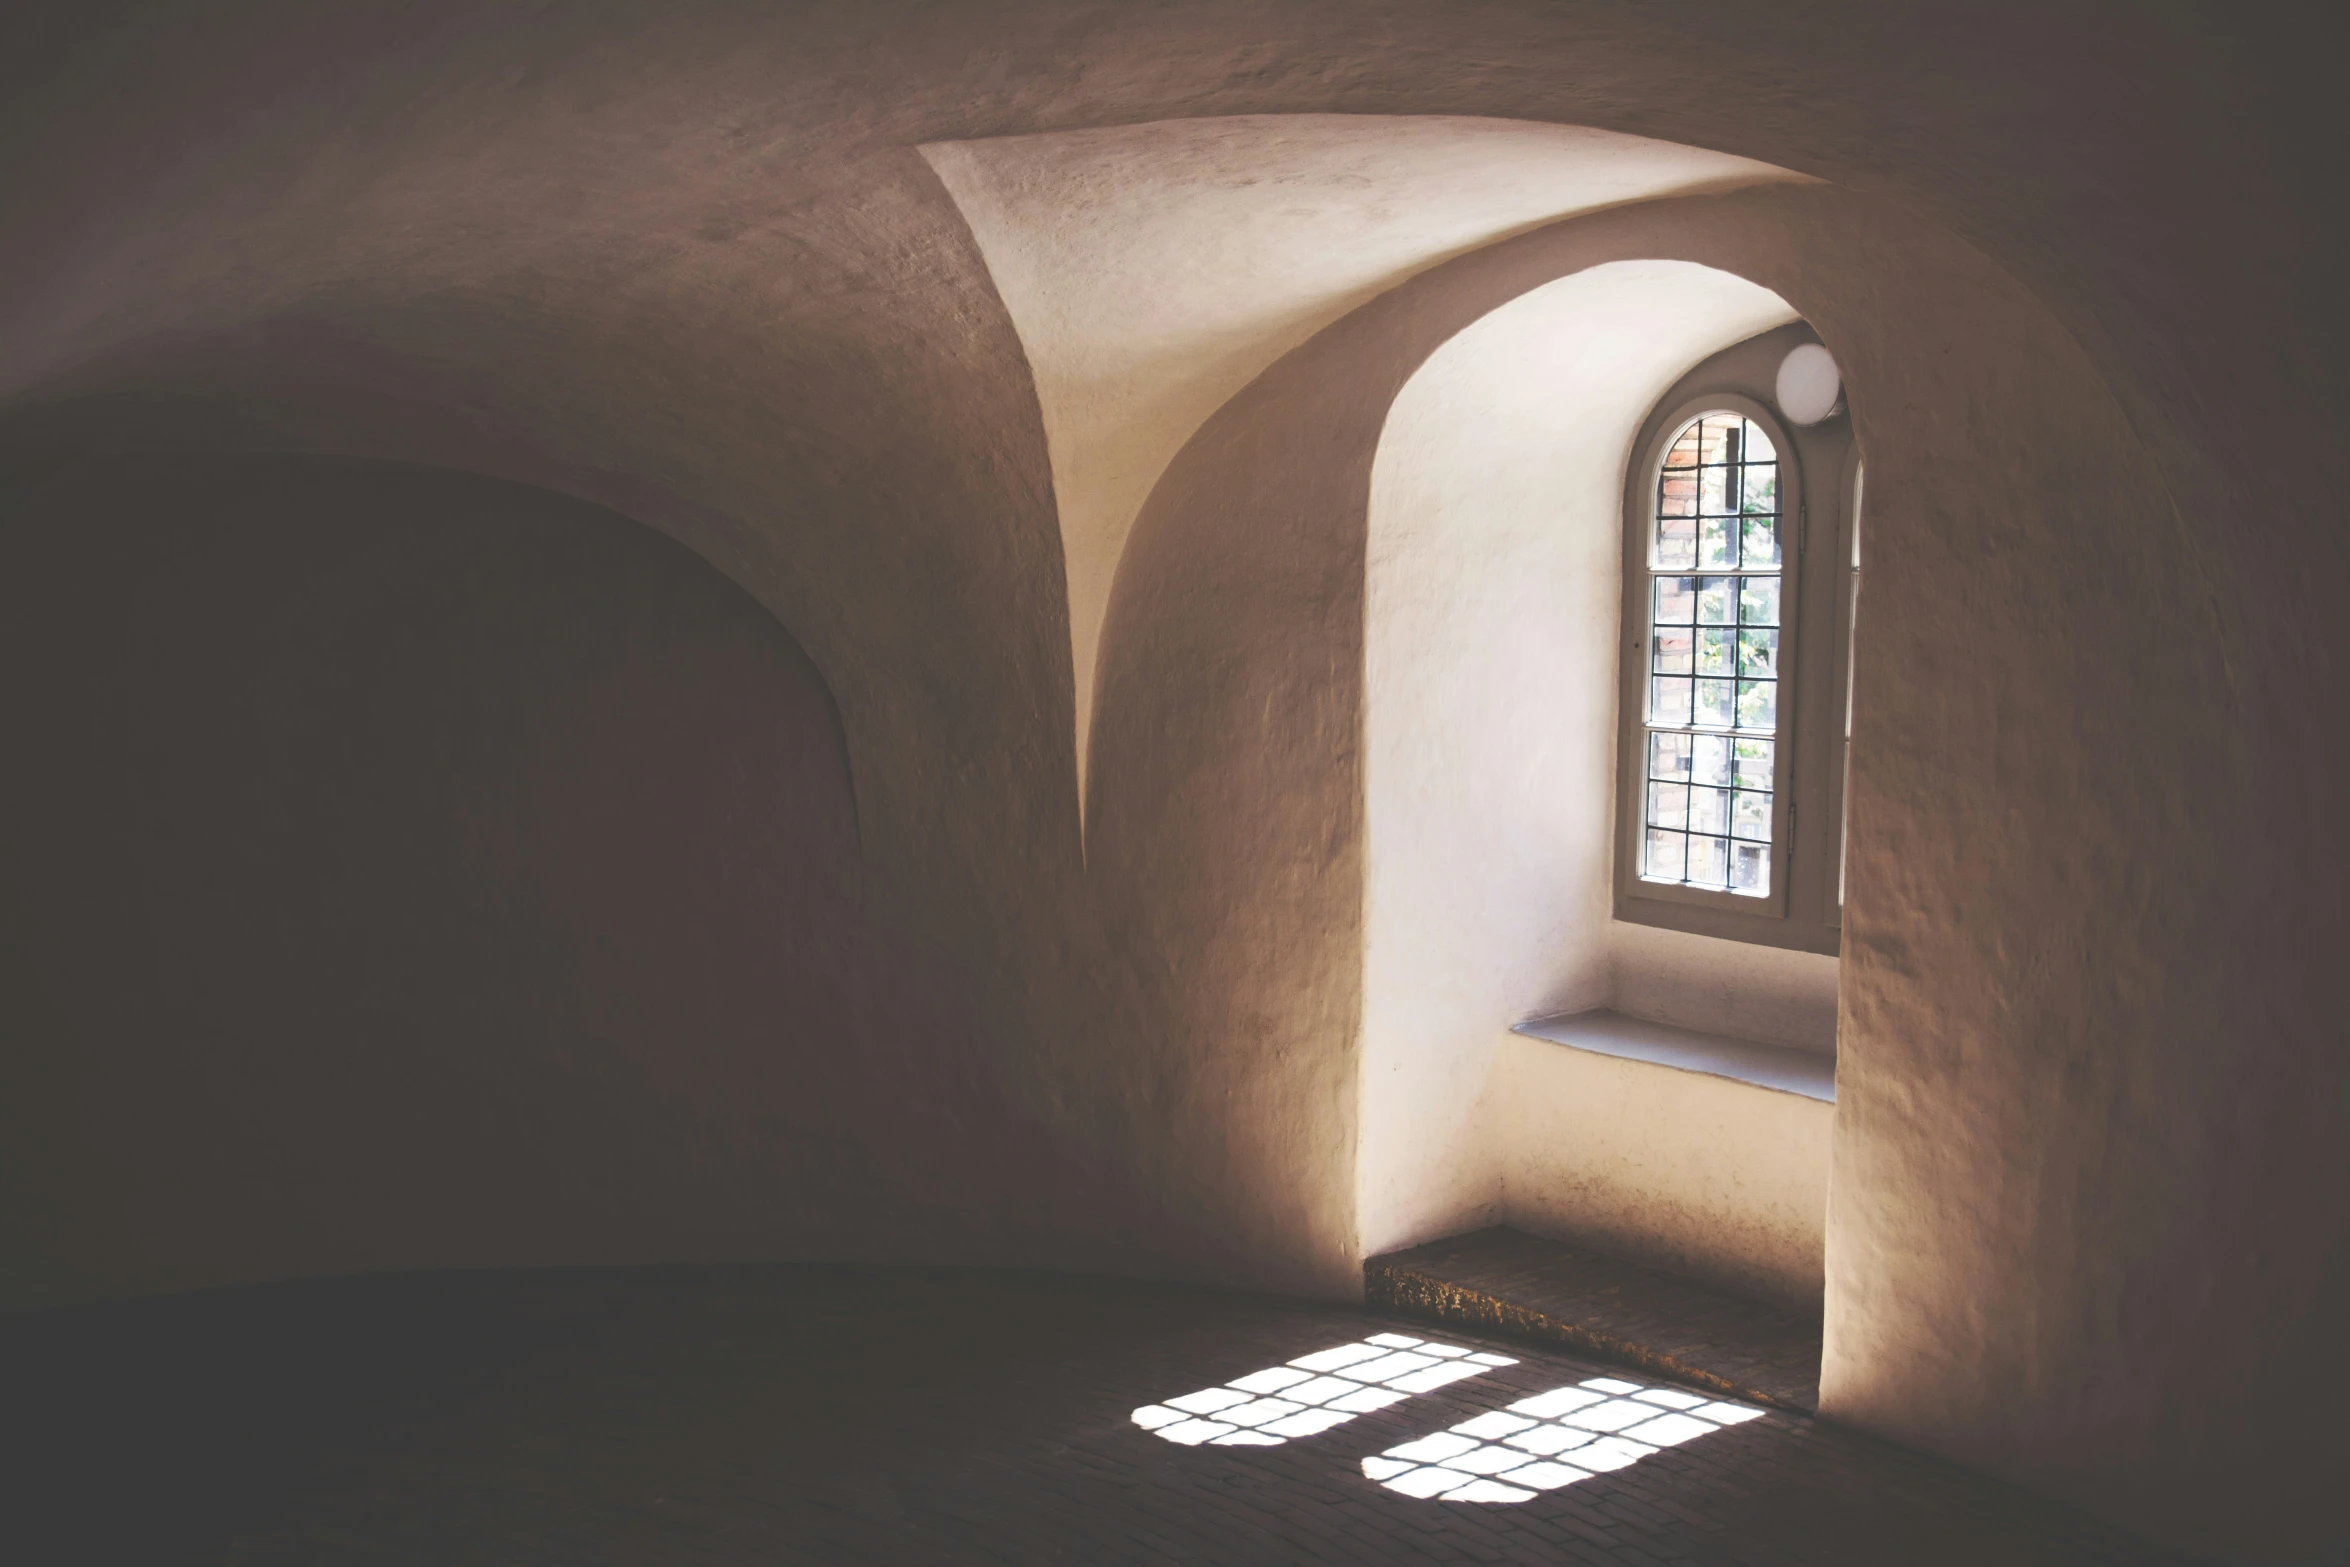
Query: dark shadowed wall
(405, 869)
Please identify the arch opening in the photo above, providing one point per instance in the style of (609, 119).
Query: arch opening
(1493, 626)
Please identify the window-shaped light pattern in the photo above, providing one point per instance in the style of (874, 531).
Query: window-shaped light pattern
(1553, 1439)
(1313, 1392)
(1712, 728)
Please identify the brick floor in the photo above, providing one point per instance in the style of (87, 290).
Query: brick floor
(682, 1416)
(1523, 1286)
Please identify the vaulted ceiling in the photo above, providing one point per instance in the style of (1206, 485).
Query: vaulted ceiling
(1027, 361)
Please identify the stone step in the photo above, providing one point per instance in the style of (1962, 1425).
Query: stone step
(1504, 1281)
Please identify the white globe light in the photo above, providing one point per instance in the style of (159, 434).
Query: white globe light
(1809, 384)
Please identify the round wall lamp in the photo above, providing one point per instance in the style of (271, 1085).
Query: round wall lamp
(1810, 386)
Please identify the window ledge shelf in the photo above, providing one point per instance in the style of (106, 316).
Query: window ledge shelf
(1780, 1068)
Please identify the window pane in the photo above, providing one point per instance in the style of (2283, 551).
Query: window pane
(1716, 647)
(1714, 650)
(1709, 810)
(1750, 815)
(1672, 649)
(1717, 601)
(1676, 542)
(1711, 754)
(1676, 494)
(1717, 435)
(1676, 600)
(1711, 499)
(1666, 856)
(1717, 541)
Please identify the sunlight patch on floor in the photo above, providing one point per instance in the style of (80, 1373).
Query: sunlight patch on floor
(1313, 1392)
(1553, 1439)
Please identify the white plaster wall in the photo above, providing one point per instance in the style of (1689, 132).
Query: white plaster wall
(1490, 663)
(1154, 270)
(1724, 987)
(1720, 1180)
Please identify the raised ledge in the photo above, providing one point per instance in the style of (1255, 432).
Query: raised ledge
(1778, 1067)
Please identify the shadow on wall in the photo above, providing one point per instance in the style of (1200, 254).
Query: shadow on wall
(405, 869)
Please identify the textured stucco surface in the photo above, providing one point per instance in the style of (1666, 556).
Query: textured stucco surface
(1720, 1180)
(2090, 1186)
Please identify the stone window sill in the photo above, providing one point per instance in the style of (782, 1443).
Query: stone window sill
(1780, 1068)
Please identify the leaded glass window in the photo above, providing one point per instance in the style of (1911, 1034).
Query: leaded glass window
(1711, 728)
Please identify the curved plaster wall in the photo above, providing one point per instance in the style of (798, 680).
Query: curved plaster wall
(686, 263)
(1154, 270)
(1490, 676)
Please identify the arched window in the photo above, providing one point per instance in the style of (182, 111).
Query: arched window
(1715, 590)
(1734, 661)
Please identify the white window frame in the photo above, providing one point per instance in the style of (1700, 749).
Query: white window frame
(1816, 470)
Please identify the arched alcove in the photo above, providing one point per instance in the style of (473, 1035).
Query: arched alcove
(1229, 780)
(1491, 672)
(405, 869)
